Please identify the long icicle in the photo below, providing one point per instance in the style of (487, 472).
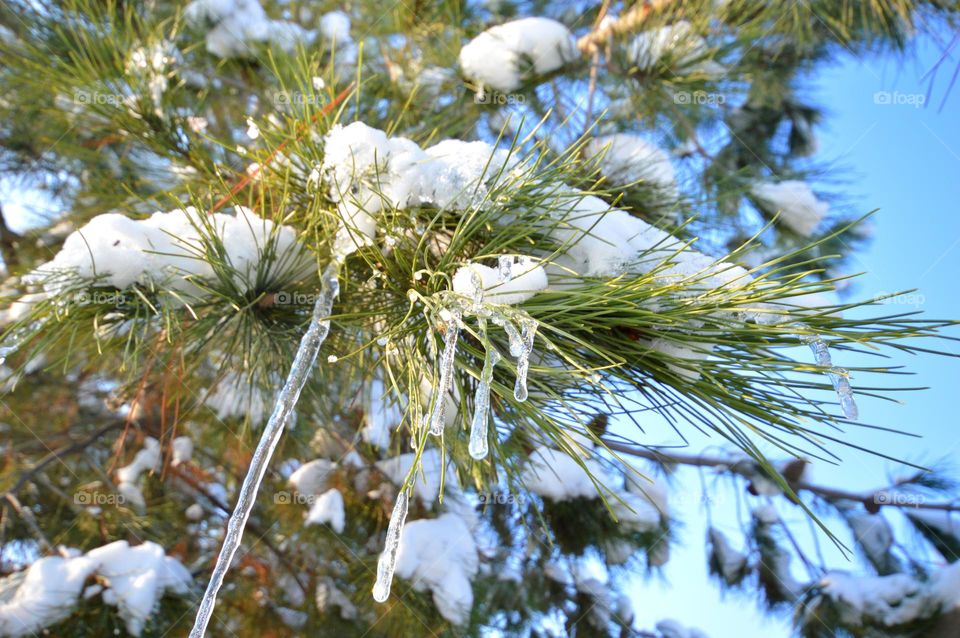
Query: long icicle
(387, 562)
(303, 363)
(478, 447)
(447, 362)
(529, 328)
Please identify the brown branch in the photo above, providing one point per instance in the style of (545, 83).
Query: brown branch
(627, 23)
(872, 500)
(56, 455)
(8, 243)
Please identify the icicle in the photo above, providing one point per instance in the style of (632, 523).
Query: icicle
(505, 268)
(481, 403)
(447, 360)
(286, 400)
(529, 327)
(839, 377)
(388, 558)
(516, 342)
(477, 282)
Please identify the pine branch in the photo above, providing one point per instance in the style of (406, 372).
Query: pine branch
(629, 22)
(873, 501)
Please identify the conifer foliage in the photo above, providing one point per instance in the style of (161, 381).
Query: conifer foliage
(353, 316)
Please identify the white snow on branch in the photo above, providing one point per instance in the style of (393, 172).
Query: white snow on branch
(677, 44)
(503, 56)
(527, 278)
(133, 578)
(440, 555)
(428, 475)
(236, 27)
(328, 509)
(626, 158)
(168, 248)
(799, 208)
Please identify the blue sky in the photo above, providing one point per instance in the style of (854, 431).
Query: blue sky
(904, 160)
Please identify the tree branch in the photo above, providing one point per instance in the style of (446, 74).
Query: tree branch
(629, 22)
(872, 500)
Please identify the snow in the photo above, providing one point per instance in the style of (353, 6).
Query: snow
(528, 278)
(380, 417)
(235, 397)
(366, 171)
(634, 512)
(440, 555)
(625, 158)
(731, 563)
(673, 629)
(135, 578)
(182, 447)
(427, 477)
(799, 208)
(310, 479)
(872, 532)
(235, 27)
(678, 43)
(194, 512)
(328, 509)
(167, 248)
(495, 57)
(147, 459)
(556, 476)
(691, 351)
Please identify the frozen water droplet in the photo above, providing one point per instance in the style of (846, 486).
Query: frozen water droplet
(382, 341)
(332, 358)
(388, 558)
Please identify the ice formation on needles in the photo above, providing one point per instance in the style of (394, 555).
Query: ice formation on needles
(495, 58)
(678, 43)
(799, 208)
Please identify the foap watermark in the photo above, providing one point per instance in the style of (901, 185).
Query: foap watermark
(898, 499)
(912, 299)
(501, 498)
(699, 97)
(99, 298)
(296, 98)
(96, 98)
(293, 298)
(896, 98)
(284, 497)
(87, 498)
(497, 98)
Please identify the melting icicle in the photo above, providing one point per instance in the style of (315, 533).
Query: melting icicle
(303, 362)
(388, 558)
(529, 327)
(839, 377)
(478, 428)
(505, 268)
(477, 282)
(516, 342)
(447, 360)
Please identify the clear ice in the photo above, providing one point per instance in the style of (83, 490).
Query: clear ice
(839, 377)
(447, 361)
(388, 558)
(481, 414)
(286, 401)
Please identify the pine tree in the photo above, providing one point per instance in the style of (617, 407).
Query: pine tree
(419, 274)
